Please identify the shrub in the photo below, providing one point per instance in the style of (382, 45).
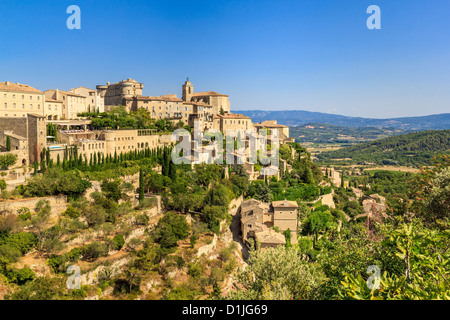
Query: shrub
(21, 276)
(24, 214)
(194, 269)
(71, 212)
(95, 250)
(118, 242)
(180, 262)
(22, 241)
(142, 219)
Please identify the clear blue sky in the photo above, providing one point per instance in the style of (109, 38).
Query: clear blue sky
(312, 55)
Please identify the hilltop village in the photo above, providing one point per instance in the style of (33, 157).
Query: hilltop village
(93, 207)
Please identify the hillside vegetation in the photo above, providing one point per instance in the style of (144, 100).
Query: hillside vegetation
(327, 133)
(409, 149)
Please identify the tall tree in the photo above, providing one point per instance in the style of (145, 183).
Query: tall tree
(8, 143)
(141, 185)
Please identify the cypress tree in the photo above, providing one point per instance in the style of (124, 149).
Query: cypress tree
(172, 171)
(95, 159)
(8, 143)
(48, 156)
(35, 167)
(58, 160)
(141, 185)
(43, 160)
(90, 161)
(55, 133)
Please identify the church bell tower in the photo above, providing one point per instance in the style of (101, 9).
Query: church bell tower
(188, 90)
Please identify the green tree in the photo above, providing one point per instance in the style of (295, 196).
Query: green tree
(277, 274)
(7, 160)
(141, 185)
(8, 143)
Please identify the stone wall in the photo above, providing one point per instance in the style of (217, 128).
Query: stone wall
(57, 203)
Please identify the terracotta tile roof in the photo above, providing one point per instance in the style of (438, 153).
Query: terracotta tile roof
(17, 87)
(197, 103)
(231, 116)
(269, 124)
(66, 93)
(284, 204)
(208, 93)
(269, 236)
(52, 100)
(171, 97)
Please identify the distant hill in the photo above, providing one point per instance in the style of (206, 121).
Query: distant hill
(328, 133)
(300, 117)
(407, 149)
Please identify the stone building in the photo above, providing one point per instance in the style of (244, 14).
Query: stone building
(107, 142)
(17, 100)
(31, 128)
(257, 218)
(116, 92)
(216, 100)
(19, 147)
(53, 109)
(232, 121)
(72, 103)
(94, 101)
(164, 107)
(283, 131)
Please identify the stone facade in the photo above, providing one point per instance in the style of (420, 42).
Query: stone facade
(115, 93)
(94, 101)
(108, 142)
(17, 100)
(72, 103)
(58, 204)
(33, 128)
(257, 218)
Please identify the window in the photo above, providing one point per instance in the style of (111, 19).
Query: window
(6, 105)
(14, 96)
(4, 96)
(31, 106)
(23, 97)
(39, 106)
(23, 106)
(14, 105)
(31, 97)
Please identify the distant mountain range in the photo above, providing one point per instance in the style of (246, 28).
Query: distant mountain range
(301, 117)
